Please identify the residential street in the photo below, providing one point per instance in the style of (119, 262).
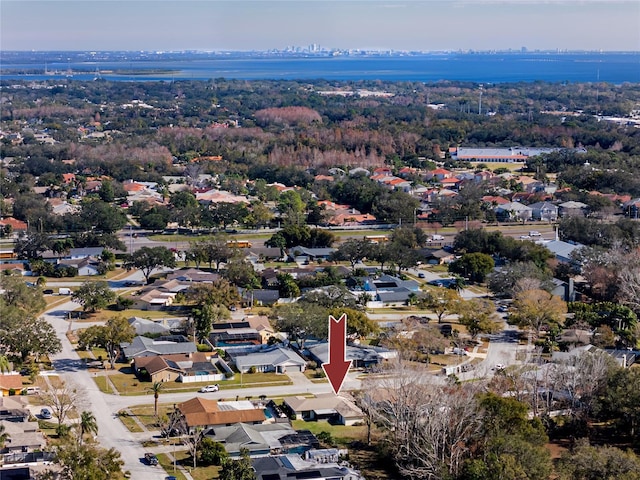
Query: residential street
(112, 433)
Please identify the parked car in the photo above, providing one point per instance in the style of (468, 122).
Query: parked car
(210, 388)
(151, 459)
(45, 414)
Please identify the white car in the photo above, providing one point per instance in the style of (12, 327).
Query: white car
(499, 366)
(534, 233)
(525, 237)
(210, 388)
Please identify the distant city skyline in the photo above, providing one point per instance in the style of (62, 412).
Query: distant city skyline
(241, 25)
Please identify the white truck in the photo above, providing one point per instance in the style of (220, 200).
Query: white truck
(435, 238)
(64, 291)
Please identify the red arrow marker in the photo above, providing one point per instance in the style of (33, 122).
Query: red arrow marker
(337, 367)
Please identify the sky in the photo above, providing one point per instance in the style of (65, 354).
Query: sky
(427, 25)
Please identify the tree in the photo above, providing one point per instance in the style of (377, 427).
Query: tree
(331, 296)
(353, 250)
(85, 461)
(219, 292)
(27, 335)
(94, 296)
(536, 308)
(586, 462)
(4, 436)
(156, 388)
(108, 336)
(101, 216)
(277, 240)
(429, 428)
(147, 259)
(359, 325)
(240, 469)
(441, 301)
(31, 245)
(185, 209)
(62, 401)
(240, 272)
(17, 295)
(203, 317)
(474, 266)
(212, 452)
(479, 316)
(88, 425)
(503, 282)
(511, 446)
(302, 321)
(620, 400)
(287, 286)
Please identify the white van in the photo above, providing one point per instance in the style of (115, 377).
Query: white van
(33, 390)
(64, 291)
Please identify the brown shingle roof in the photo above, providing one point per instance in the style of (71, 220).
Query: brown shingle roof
(7, 382)
(200, 411)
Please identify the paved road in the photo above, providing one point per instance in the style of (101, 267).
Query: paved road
(111, 432)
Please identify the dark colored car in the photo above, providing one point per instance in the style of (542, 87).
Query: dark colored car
(151, 459)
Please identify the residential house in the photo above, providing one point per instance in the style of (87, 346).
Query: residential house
(302, 254)
(15, 225)
(326, 406)
(439, 174)
(167, 345)
(219, 196)
(144, 326)
(293, 467)
(179, 367)
(544, 211)
(271, 359)
(259, 298)
(388, 290)
(362, 356)
(513, 211)
(85, 266)
(23, 437)
(10, 384)
(262, 439)
(13, 409)
(233, 333)
(437, 257)
(262, 325)
(563, 250)
(193, 275)
(87, 252)
(159, 368)
(154, 299)
(205, 413)
(573, 209)
(13, 268)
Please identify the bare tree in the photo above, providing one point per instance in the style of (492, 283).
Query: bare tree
(61, 400)
(430, 426)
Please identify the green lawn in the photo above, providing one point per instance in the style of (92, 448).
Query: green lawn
(167, 464)
(128, 383)
(341, 434)
(129, 422)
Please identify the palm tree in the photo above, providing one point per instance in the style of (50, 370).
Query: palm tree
(4, 436)
(156, 388)
(88, 424)
(5, 364)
